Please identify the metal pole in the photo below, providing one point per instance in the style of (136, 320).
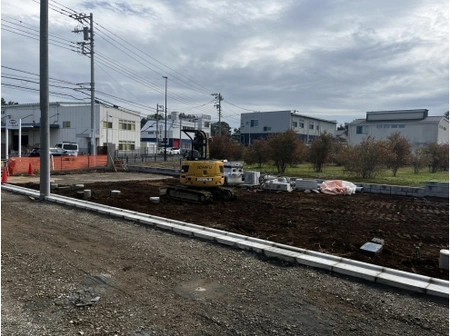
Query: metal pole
(220, 114)
(157, 129)
(6, 143)
(93, 149)
(165, 120)
(180, 134)
(44, 104)
(20, 137)
(107, 126)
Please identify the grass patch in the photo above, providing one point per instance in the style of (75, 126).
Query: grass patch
(405, 176)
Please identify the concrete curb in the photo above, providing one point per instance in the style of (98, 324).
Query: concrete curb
(387, 276)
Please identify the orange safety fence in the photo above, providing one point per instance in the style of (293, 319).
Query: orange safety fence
(21, 165)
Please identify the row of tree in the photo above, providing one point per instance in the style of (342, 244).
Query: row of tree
(365, 160)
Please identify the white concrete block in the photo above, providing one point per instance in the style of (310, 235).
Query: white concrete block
(183, 230)
(226, 240)
(438, 287)
(405, 280)
(260, 241)
(248, 245)
(289, 248)
(273, 252)
(318, 260)
(205, 234)
(358, 269)
(306, 184)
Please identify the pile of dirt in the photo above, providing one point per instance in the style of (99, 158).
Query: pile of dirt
(337, 225)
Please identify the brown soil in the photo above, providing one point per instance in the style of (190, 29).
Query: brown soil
(337, 225)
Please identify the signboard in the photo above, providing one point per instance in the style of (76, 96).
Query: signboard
(13, 124)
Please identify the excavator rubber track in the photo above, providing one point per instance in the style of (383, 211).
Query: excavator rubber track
(189, 195)
(199, 196)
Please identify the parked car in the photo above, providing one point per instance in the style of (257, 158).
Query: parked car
(170, 150)
(174, 151)
(36, 152)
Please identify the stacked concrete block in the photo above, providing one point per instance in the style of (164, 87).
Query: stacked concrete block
(306, 184)
(413, 191)
(385, 189)
(436, 189)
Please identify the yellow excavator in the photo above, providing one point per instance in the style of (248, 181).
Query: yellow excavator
(201, 178)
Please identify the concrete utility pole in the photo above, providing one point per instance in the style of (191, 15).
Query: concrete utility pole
(165, 121)
(157, 127)
(88, 35)
(219, 98)
(44, 179)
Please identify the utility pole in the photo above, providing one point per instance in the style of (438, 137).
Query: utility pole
(88, 35)
(165, 120)
(44, 188)
(218, 98)
(157, 127)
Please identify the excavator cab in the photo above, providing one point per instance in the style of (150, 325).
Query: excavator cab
(201, 178)
(197, 170)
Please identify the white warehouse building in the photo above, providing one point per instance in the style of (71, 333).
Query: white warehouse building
(256, 125)
(71, 122)
(415, 125)
(153, 132)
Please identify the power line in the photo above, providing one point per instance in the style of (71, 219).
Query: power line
(205, 89)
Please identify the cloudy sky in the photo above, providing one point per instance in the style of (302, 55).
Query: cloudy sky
(332, 59)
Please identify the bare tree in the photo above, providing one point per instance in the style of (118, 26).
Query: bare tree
(366, 159)
(257, 152)
(437, 155)
(419, 159)
(225, 147)
(320, 151)
(285, 149)
(399, 152)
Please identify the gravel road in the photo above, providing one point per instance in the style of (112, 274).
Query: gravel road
(70, 272)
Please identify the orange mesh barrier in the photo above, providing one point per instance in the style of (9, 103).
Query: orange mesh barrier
(18, 166)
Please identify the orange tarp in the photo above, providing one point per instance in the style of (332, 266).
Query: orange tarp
(20, 165)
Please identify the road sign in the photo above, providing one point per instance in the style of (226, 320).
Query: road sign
(13, 124)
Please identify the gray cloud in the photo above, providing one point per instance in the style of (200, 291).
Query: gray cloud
(333, 59)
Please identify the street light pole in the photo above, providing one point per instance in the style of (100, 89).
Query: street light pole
(107, 126)
(165, 120)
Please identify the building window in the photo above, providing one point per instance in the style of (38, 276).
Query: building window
(266, 128)
(386, 126)
(151, 132)
(361, 129)
(302, 125)
(206, 124)
(66, 124)
(394, 126)
(379, 126)
(128, 125)
(253, 123)
(126, 145)
(401, 126)
(311, 126)
(107, 124)
(317, 127)
(294, 124)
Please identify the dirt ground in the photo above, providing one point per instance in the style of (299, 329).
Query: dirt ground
(67, 271)
(338, 225)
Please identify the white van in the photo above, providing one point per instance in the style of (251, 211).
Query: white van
(70, 148)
